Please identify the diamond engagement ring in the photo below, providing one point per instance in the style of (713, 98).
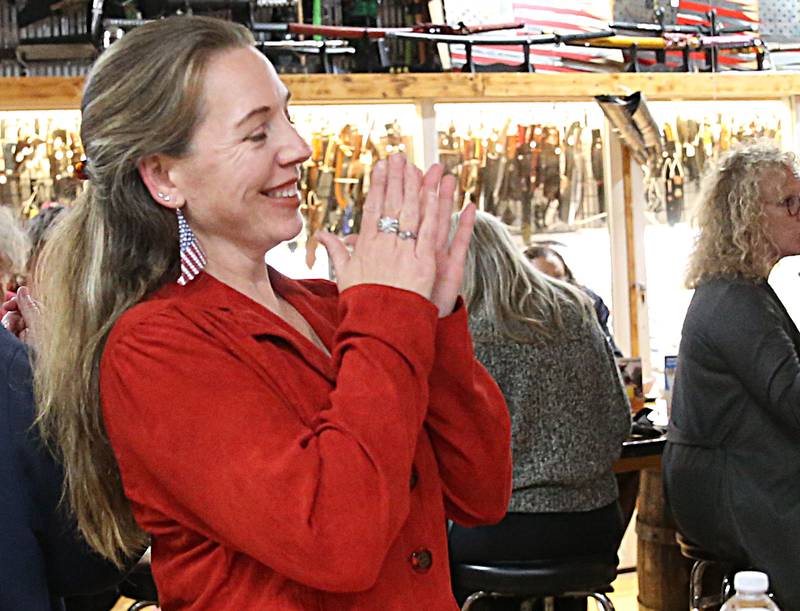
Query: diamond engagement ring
(387, 224)
(407, 235)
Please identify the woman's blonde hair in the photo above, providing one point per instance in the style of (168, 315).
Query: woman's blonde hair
(14, 244)
(143, 97)
(732, 239)
(501, 284)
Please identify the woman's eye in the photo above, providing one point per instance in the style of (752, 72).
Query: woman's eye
(257, 137)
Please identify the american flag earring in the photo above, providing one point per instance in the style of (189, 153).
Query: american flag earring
(193, 259)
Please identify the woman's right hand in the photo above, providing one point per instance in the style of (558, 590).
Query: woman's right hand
(396, 191)
(21, 314)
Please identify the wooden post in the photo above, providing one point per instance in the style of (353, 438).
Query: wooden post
(630, 248)
(661, 570)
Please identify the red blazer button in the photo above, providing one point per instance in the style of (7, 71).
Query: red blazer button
(421, 560)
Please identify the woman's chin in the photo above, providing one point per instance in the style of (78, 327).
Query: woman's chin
(288, 231)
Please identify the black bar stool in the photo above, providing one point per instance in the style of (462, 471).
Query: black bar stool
(139, 585)
(704, 560)
(585, 577)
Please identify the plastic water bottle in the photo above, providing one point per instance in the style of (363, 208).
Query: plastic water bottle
(751, 593)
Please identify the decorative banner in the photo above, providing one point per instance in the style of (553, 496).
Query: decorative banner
(538, 16)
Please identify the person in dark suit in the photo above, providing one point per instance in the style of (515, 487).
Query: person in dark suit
(732, 461)
(42, 559)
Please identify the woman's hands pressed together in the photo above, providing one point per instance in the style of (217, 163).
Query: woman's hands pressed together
(404, 235)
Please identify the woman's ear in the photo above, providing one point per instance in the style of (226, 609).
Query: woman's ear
(154, 170)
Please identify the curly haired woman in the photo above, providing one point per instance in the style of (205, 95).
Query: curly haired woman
(733, 458)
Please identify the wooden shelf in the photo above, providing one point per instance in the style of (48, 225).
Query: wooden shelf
(518, 86)
(40, 93)
(37, 93)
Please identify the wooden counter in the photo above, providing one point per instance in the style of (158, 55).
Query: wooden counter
(640, 454)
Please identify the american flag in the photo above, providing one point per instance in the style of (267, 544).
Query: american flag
(537, 16)
(579, 16)
(729, 13)
(193, 259)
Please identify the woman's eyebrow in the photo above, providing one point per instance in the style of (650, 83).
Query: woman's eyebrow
(252, 113)
(263, 109)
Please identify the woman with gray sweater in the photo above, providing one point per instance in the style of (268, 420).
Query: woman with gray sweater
(540, 340)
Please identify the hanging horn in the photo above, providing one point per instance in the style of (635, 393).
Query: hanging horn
(645, 122)
(632, 120)
(614, 108)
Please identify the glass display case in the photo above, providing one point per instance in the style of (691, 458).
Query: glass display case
(530, 148)
(346, 141)
(40, 151)
(539, 167)
(696, 134)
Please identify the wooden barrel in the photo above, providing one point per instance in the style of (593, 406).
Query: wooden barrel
(662, 571)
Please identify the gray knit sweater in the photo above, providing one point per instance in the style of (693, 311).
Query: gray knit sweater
(569, 413)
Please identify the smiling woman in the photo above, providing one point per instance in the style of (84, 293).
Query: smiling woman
(282, 444)
(239, 175)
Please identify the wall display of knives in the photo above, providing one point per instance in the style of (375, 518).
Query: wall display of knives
(538, 167)
(695, 134)
(335, 179)
(39, 156)
(543, 172)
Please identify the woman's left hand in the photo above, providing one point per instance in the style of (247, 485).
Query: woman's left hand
(450, 255)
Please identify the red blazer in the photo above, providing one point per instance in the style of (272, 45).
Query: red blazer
(272, 476)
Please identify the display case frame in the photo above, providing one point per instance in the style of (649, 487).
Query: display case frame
(43, 93)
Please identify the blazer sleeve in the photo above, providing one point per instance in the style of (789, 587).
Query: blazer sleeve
(71, 566)
(749, 330)
(470, 429)
(202, 438)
